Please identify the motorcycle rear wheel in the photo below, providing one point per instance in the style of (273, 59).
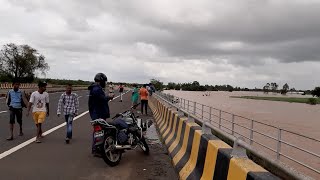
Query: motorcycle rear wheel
(144, 146)
(110, 156)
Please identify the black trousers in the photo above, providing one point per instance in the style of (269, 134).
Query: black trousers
(16, 112)
(144, 103)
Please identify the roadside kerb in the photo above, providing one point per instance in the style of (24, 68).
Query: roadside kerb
(197, 155)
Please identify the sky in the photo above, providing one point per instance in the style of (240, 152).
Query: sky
(244, 43)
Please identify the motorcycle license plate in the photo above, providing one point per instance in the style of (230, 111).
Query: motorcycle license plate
(99, 134)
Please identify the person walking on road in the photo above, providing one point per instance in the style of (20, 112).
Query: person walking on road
(98, 101)
(111, 89)
(70, 103)
(39, 101)
(121, 91)
(135, 95)
(144, 99)
(15, 103)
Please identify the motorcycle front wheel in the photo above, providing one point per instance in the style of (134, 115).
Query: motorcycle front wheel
(144, 146)
(110, 155)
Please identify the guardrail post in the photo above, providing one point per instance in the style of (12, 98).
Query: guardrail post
(202, 112)
(219, 119)
(205, 128)
(194, 108)
(188, 107)
(237, 150)
(184, 103)
(232, 127)
(251, 133)
(210, 111)
(279, 144)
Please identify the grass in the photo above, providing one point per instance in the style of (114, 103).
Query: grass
(283, 99)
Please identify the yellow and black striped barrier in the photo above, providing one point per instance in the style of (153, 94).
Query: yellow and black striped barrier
(201, 156)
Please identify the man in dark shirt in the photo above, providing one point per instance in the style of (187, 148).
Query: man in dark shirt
(98, 100)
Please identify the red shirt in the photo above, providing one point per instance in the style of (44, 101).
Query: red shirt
(143, 94)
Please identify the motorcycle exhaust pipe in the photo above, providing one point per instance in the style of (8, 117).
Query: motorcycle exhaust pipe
(118, 147)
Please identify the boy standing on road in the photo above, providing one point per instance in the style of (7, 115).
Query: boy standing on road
(70, 102)
(144, 98)
(39, 100)
(15, 103)
(111, 89)
(121, 91)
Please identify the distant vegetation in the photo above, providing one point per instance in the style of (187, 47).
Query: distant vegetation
(283, 99)
(269, 87)
(195, 86)
(316, 92)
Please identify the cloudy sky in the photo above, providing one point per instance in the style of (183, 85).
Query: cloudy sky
(238, 42)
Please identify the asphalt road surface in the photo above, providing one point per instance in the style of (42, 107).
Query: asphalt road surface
(53, 159)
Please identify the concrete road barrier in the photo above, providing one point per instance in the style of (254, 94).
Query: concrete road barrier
(196, 155)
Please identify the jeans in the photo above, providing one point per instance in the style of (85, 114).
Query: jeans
(69, 119)
(144, 104)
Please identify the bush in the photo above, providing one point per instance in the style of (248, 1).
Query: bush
(316, 92)
(312, 101)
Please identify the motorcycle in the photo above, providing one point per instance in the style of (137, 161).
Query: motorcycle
(125, 132)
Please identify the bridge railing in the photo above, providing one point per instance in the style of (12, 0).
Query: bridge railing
(292, 148)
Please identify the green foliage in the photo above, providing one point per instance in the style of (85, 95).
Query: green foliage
(195, 86)
(21, 62)
(316, 92)
(65, 82)
(171, 85)
(285, 89)
(283, 99)
(157, 84)
(312, 101)
(266, 88)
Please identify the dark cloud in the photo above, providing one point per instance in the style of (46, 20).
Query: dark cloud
(231, 41)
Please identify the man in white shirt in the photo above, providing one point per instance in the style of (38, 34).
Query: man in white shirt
(39, 101)
(111, 89)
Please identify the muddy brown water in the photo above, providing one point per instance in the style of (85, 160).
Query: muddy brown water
(297, 117)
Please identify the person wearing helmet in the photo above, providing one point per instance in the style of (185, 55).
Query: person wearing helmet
(98, 100)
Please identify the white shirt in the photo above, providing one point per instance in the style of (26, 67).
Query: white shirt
(39, 101)
(111, 88)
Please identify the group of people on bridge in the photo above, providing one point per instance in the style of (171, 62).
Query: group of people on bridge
(68, 104)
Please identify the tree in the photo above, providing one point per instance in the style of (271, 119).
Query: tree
(157, 84)
(274, 87)
(316, 92)
(21, 61)
(266, 88)
(285, 89)
(171, 85)
(293, 89)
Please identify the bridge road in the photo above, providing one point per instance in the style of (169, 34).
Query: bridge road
(53, 159)
(29, 127)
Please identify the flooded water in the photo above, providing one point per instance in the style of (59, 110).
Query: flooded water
(300, 118)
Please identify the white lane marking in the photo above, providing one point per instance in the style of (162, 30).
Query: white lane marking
(12, 150)
(3, 112)
(16, 148)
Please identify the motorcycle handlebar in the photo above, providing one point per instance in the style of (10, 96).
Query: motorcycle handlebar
(120, 114)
